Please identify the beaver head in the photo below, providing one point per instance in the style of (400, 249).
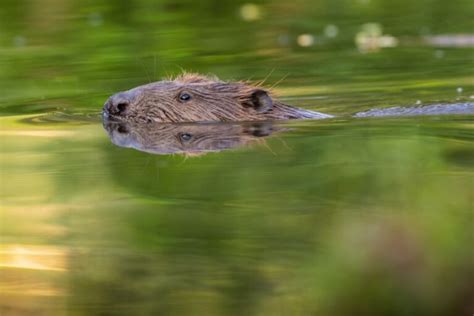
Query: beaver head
(196, 98)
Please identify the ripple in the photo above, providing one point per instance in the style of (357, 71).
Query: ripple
(61, 118)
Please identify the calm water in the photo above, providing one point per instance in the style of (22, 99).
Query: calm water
(347, 216)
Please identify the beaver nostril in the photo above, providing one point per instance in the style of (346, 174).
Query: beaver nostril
(118, 104)
(116, 108)
(121, 107)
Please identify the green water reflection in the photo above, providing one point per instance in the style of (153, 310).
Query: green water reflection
(338, 217)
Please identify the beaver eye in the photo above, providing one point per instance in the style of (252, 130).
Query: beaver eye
(184, 96)
(185, 136)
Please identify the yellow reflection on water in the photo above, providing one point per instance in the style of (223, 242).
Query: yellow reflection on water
(32, 257)
(30, 277)
(37, 133)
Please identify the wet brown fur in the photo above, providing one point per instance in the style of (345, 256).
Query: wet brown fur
(212, 100)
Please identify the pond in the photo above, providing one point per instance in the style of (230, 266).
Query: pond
(341, 216)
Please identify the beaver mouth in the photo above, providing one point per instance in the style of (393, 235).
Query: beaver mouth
(108, 117)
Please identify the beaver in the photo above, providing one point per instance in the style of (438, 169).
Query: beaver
(197, 98)
(189, 139)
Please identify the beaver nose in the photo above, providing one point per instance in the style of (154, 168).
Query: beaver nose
(116, 105)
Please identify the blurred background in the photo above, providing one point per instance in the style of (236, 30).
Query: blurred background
(339, 217)
(78, 52)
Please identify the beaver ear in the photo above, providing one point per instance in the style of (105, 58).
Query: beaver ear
(261, 101)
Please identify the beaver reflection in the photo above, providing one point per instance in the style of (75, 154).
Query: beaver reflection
(163, 139)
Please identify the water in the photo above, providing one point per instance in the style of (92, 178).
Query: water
(346, 216)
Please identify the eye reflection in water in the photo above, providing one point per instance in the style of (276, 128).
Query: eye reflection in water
(188, 139)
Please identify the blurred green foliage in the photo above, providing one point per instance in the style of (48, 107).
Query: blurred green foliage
(75, 53)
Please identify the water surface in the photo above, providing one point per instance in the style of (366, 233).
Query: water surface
(346, 216)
